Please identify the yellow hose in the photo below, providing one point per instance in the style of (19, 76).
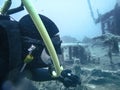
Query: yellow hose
(5, 7)
(44, 34)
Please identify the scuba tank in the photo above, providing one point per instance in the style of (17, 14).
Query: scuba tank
(9, 34)
(10, 41)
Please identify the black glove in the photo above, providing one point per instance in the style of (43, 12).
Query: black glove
(68, 79)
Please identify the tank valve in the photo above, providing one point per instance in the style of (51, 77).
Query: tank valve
(28, 58)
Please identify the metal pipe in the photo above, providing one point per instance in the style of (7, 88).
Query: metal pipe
(91, 10)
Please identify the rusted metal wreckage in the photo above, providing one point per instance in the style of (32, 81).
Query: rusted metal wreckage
(110, 21)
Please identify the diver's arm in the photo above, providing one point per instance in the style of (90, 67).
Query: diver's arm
(41, 75)
(15, 10)
(66, 77)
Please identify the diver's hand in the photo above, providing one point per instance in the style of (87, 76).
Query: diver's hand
(68, 79)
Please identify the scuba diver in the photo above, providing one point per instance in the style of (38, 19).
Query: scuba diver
(21, 38)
